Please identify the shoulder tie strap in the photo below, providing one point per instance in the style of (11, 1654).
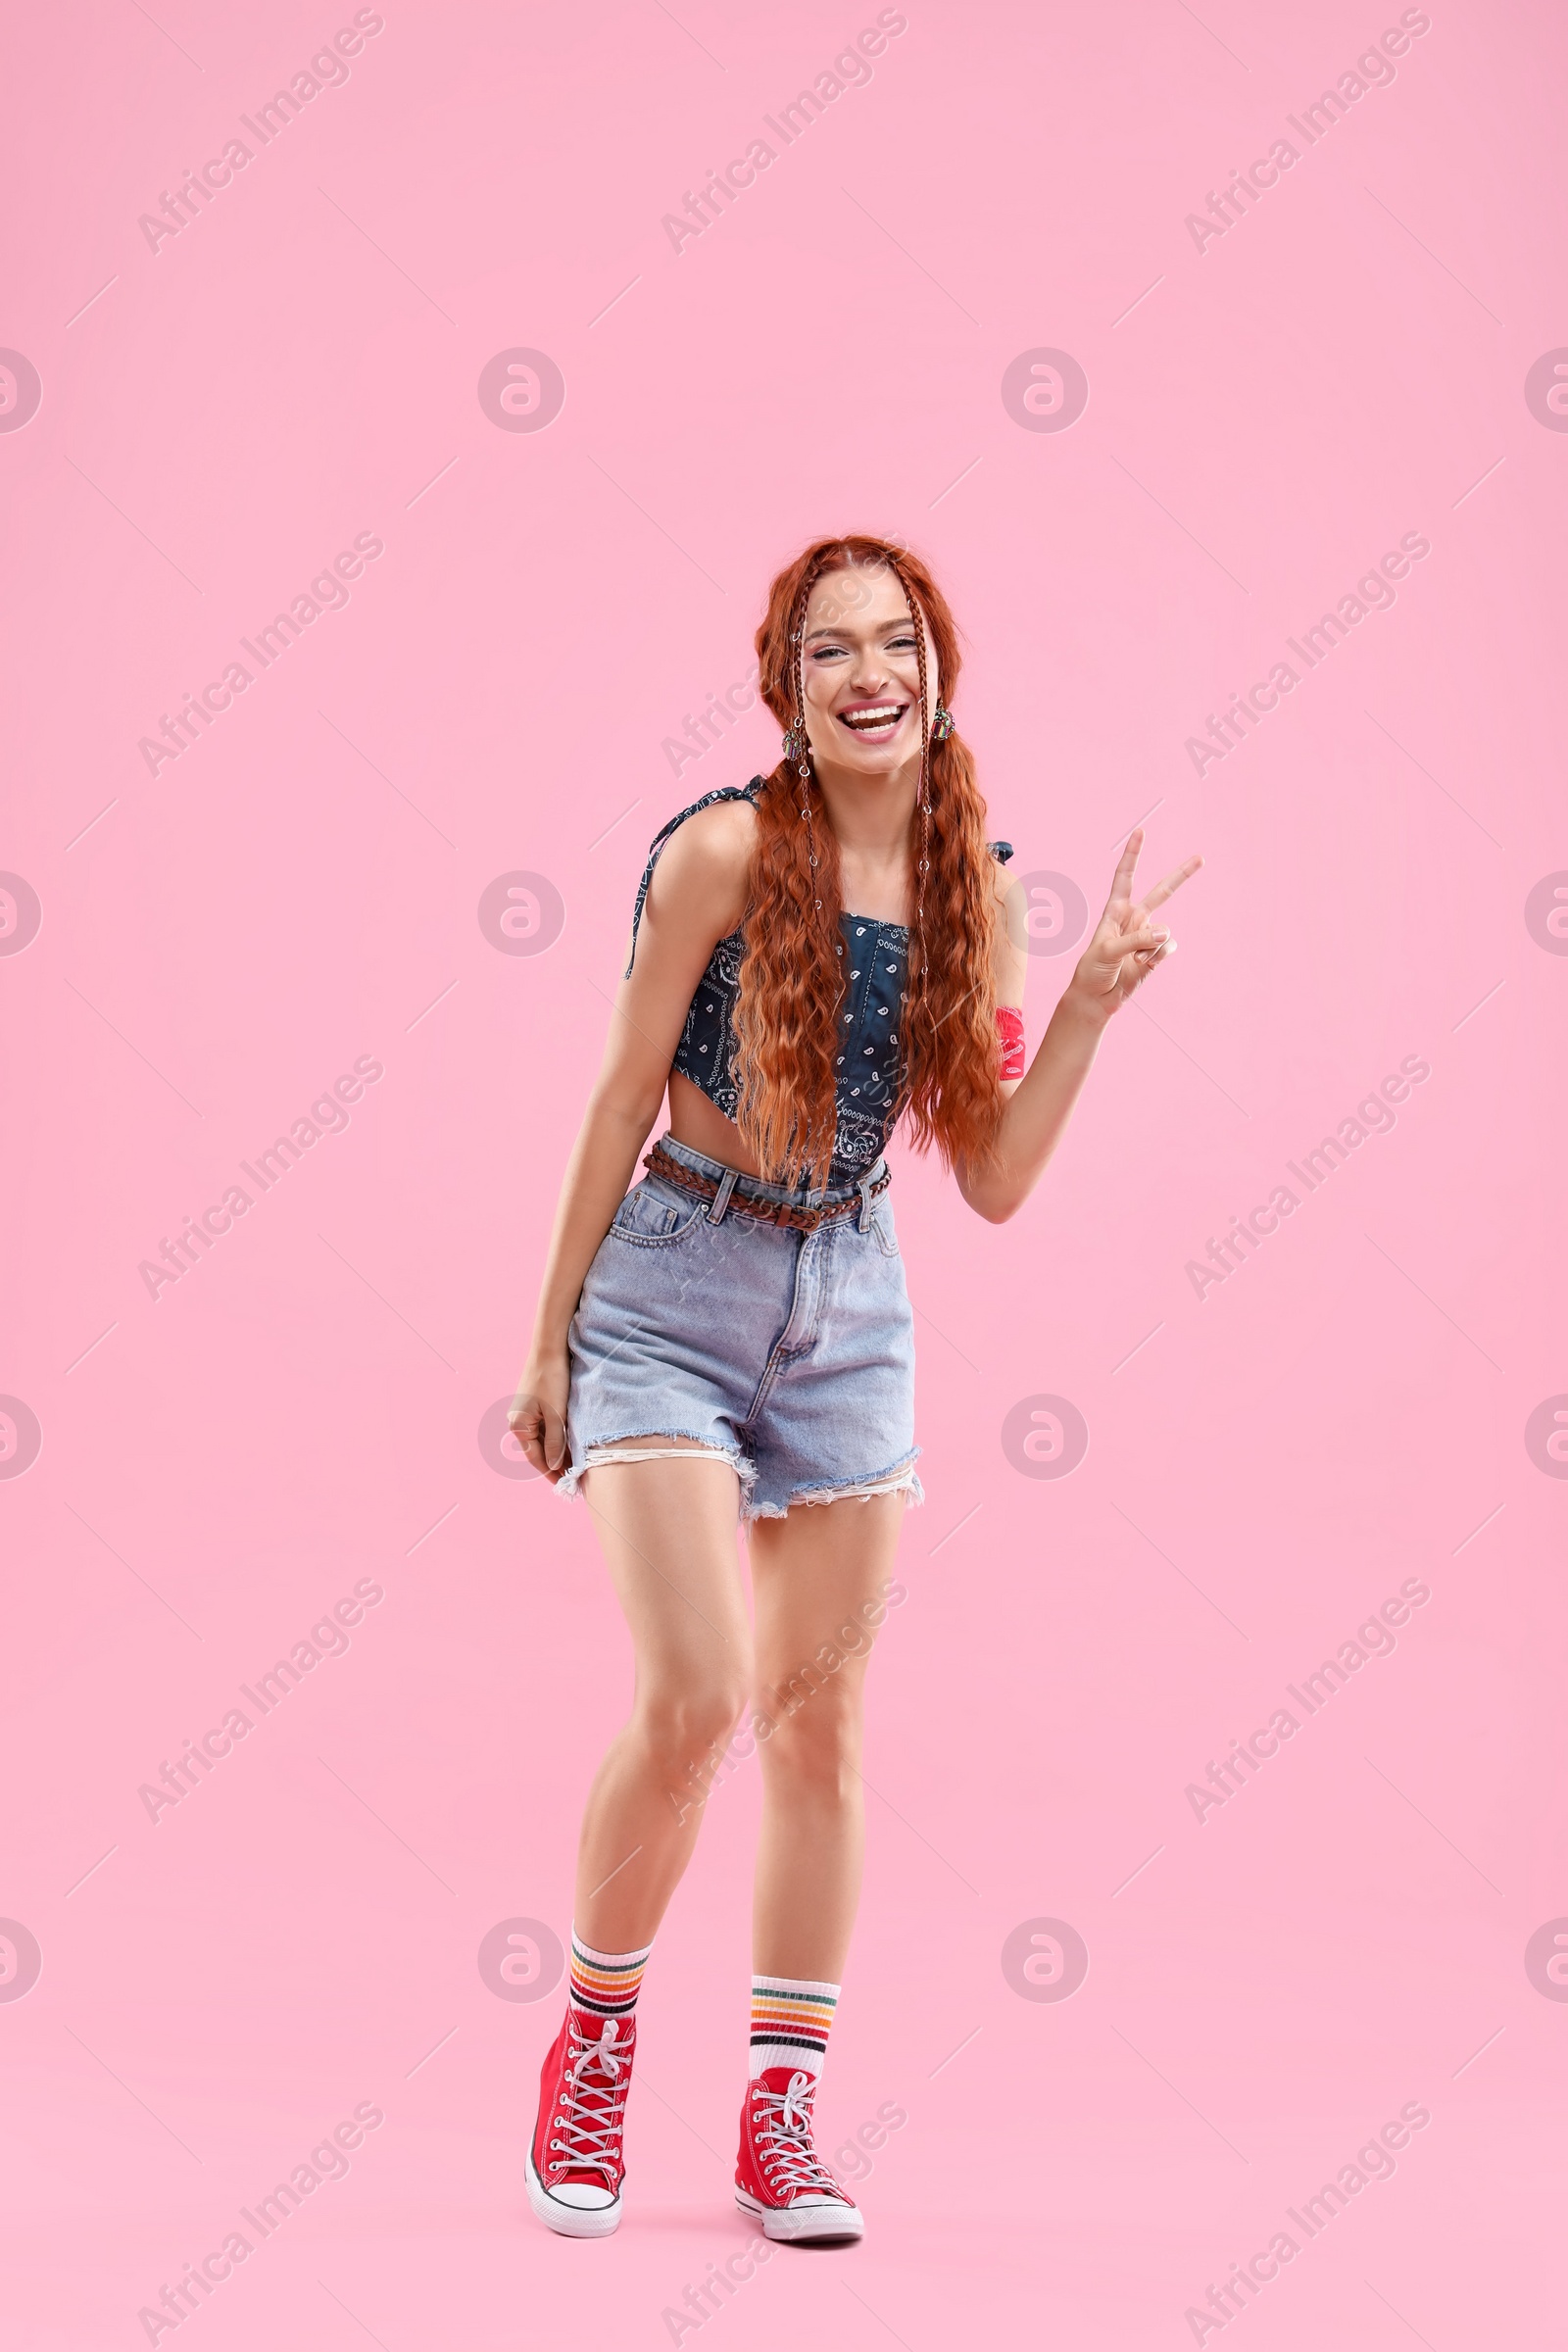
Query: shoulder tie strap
(726, 791)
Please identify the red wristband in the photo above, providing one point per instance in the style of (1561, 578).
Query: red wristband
(1009, 1037)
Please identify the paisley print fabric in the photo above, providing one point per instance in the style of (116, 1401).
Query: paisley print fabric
(868, 1067)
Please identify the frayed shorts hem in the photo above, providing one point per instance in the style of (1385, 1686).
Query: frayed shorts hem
(900, 1479)
(613, 1448)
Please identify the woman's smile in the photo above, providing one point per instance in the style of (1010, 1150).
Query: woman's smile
(873, 721)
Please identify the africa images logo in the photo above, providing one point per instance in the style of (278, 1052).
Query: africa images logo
(1546, 390)
(20, 914)
(1373, 70)
(848, 70)
(20, 391)
(1045, 1437)
(522, 391)
(1045, 390)
(1373, 593)
(21, 1436)
(522, 914)
(327, 70)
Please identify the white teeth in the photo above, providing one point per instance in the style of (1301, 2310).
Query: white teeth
(886, 715)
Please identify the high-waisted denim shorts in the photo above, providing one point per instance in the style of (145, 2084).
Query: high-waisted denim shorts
(790, 1354)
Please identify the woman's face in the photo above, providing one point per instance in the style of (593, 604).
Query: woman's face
(861, 671)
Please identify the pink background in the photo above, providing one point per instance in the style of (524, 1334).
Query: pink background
(298, 1411)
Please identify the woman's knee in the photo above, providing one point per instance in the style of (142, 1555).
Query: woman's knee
(683, 1723)
(815, 1733)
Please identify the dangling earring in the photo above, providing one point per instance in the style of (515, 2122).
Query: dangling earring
(942, 724)
(797, 748)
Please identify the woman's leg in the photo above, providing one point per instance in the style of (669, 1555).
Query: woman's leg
(668, 1533)
(818, 1578)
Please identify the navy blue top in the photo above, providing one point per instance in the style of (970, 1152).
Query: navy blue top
(870, 1070)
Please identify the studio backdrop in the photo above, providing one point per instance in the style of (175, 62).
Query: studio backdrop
(402, 412)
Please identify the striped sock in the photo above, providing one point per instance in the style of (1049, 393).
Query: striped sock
(606, 1984)
(790, 2021)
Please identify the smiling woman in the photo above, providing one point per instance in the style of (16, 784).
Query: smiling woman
(858, 670)
(815, 956)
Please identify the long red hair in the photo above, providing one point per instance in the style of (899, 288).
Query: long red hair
(792, 974)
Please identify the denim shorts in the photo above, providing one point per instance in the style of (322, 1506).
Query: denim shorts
(790, 1354)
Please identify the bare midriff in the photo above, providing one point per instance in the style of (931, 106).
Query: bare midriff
(702, 1127)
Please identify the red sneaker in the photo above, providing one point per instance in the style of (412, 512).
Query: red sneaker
(779, 2175)
(575, 2166)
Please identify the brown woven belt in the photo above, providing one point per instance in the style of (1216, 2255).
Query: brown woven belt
(660, 1162)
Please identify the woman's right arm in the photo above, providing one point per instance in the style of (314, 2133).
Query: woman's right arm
(696, 898)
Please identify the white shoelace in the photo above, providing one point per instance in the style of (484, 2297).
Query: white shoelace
(782, 2124)
(590, 2125)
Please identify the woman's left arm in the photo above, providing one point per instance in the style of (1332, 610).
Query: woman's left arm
(1126, 946)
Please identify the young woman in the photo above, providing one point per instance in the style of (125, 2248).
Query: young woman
(813, 956)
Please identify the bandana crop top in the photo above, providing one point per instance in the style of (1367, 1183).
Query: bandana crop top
(870, 1072)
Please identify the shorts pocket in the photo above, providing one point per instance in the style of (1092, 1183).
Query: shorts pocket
(887, 1240)
(650, 1216)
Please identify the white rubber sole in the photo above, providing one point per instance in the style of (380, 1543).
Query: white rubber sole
(798, 2226)
(568, 2220)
